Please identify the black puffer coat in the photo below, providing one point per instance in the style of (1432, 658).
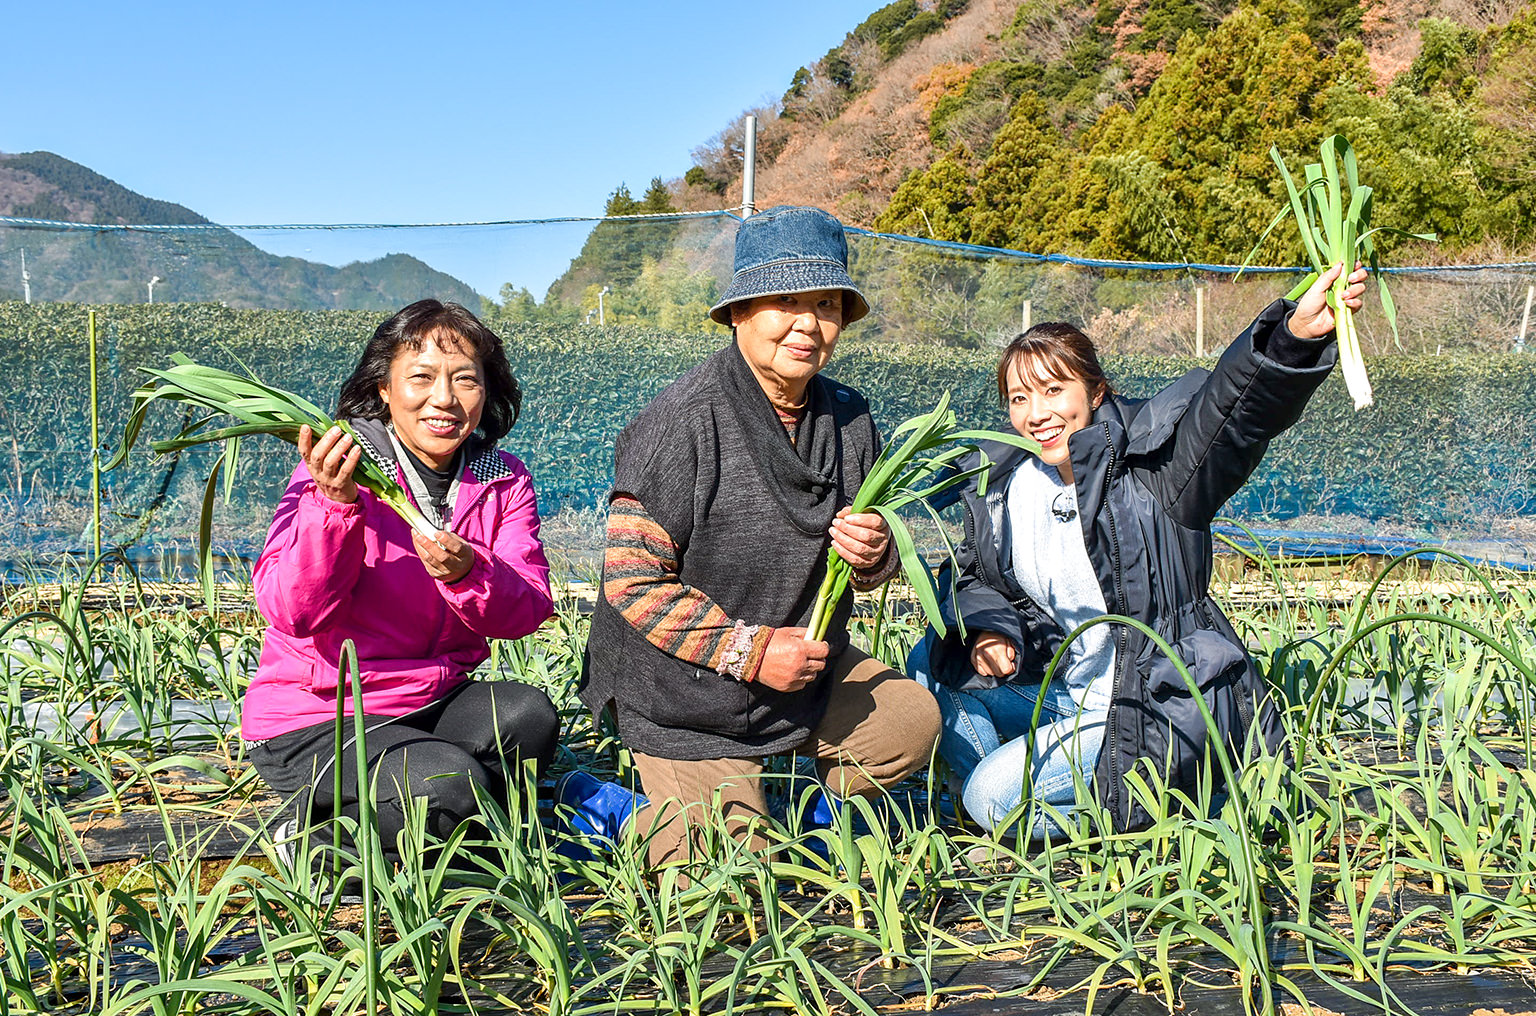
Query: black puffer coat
(1150, 475)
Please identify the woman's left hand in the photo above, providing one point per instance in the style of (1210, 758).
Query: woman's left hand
(1313, 318)
(860, 539)
(447, 560)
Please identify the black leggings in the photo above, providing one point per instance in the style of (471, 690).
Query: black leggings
(439, 752)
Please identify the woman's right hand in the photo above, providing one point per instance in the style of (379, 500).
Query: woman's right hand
(993, 655)
(1313, 318)
(331, 460)
(791, 661)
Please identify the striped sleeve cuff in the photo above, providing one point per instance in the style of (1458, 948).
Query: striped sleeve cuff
(741, 655)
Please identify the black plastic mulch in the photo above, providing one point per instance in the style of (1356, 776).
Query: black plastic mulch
(986, 987)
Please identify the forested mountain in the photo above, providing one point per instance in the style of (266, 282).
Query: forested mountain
(1141, 129)
(211, 265)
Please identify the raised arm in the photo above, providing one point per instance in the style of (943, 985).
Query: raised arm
(1256, 391)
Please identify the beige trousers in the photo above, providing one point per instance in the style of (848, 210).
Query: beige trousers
(879, 729)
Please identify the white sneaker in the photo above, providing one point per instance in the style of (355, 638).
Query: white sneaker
(285, 837)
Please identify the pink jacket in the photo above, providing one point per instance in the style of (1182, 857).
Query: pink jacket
(331, 572)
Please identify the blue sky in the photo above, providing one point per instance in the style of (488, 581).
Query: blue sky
(286, 112)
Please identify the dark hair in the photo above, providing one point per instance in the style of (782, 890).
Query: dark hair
(410, 328)
(1056, 351)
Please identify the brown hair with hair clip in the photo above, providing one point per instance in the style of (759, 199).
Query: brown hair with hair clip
(1054, 350)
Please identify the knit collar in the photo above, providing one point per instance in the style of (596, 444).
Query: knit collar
(802, 474)
(481, 463)
(479, 455)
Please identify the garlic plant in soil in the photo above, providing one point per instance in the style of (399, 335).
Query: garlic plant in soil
(923, 465)
(1332, 210)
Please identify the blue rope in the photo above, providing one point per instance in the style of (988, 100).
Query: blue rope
(980, 251)
(994, 253)
(969, 250)
(10, 220)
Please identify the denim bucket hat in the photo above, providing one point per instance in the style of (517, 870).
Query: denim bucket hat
(790, 249)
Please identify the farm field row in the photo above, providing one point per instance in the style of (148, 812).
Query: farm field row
(1384, 860)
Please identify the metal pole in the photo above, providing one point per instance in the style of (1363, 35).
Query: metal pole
(601, 320)
(1199, 320)
(749, 169)
(95, 447)
(1525, 319)
(26, 280)
(1029, 314)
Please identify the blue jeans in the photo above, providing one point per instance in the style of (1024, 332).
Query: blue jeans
(983, 740)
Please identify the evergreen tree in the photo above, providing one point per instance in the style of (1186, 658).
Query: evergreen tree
(1446, 60)
(657, 200)
(615, 252)
(1026, 146)
(935, 204)
(517, 307)
(1506, 115)
(668, 294)
(621, 203)
(1187, 176)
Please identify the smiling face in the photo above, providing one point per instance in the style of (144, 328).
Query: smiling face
(1048, 409)
(788, 338)
(435, 395)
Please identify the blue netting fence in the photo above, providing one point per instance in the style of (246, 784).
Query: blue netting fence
(601, 314)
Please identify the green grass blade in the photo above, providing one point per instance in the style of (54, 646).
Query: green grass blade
(1280, 216)
(914, 568)
(1029, 444)
(1298, 211)
(1302, 286)
(232, 454)
(1332, 202)
(205, 538)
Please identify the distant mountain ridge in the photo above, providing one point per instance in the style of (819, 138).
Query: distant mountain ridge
(205, 265)
(41, 185)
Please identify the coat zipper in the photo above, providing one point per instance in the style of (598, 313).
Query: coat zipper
(970, 536)
(1121, 638)
(981, 559)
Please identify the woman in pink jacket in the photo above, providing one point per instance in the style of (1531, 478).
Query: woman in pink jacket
(430, 397)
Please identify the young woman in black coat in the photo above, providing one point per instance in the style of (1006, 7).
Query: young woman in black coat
(1112, 517)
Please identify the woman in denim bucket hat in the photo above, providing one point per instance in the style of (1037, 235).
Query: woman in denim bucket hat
(728, 489)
